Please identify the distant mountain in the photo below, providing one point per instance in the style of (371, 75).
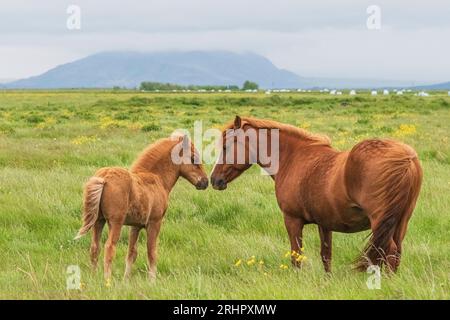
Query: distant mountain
(438, 86)
(129, 69)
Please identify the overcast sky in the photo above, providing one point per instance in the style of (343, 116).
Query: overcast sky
(312, 38)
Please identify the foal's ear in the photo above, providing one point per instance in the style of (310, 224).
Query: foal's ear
(237, 122)
(186, 142)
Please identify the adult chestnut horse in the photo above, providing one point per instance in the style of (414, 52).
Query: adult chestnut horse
(138, 198)
(374, 185)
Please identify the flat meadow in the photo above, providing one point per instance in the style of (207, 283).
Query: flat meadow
(213, 245)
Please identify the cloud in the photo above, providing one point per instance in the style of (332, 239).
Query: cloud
(320, 38)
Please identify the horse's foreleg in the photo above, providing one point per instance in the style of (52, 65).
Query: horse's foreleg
(96, 236)
(152, 237)
(132, 250)
(294, 227)
(325, 248)
(110, 248)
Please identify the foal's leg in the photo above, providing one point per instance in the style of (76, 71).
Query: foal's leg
(96, 236)
(152, 236)
(294, 227)
(132, 250)
(110, 247)
(325, 248)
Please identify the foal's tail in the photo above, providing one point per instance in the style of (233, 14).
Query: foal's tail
(91, 204)
(398, 187)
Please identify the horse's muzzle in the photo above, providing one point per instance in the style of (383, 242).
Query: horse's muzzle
(218, 184)
(202, 184)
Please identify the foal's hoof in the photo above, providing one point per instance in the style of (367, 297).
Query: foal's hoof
(152, 277)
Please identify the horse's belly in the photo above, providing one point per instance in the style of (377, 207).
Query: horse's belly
(352, 227)
(136, 221)
(347, 220)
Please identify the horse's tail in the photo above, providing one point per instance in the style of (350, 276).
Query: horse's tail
(397, 189)
(91, 204)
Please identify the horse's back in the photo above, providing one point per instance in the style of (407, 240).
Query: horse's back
(380, 150)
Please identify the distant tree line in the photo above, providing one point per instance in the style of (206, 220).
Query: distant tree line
(153, 86)
(248, 85)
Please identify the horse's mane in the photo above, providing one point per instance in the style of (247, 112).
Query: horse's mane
(154, 152)
(286, 128)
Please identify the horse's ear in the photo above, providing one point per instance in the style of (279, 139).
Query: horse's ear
(237, 122)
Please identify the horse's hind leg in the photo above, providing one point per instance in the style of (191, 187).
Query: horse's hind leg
(294, 227)
(325, 248)
(393, 257)
(381, 250)
(132, 250)
(399, 234)
(96, 236)
(110, 247)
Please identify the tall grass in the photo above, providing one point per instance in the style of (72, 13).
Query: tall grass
(51, 142)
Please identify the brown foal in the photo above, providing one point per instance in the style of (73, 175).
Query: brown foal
(138, 198)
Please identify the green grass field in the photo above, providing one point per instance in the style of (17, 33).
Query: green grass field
(51, 142)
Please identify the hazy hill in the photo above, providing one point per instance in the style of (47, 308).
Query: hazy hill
(129, 69)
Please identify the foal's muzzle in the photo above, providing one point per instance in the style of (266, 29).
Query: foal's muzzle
(218, 184)
(202, 184)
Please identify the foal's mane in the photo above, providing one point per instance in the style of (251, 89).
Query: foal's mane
(286, 128)
(154, 152)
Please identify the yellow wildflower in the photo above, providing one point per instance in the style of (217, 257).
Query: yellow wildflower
(238, 263)
(83, 140)
(405, 130)
(283, 267)
(48, 122)
(305, 125)
(108, 122)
